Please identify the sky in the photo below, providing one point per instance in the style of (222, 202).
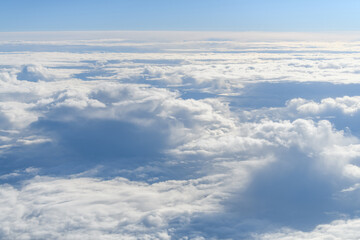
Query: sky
(188, 120)
(186, 15)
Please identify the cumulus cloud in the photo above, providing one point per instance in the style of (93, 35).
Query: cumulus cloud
(33, 73)
(79, 208)
(340, 229)
(347, 105)
(159, 140)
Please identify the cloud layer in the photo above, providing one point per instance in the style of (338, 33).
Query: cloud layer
(191, 139)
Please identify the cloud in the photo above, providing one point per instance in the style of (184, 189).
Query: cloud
(188, 140)
(79, 208)
(33, 73)
(340, 229)
(347, 105)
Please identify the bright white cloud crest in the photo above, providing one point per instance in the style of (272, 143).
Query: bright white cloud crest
(195, 139)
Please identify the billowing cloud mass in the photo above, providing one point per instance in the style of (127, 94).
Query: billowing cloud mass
(157, 137)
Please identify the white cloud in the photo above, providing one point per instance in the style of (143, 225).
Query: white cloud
(211, 151)
(346, 105)
(33, 140)
(34, 73)
(81, 208)
(340, 229)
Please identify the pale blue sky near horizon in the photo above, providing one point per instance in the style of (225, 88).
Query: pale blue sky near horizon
(185, 15)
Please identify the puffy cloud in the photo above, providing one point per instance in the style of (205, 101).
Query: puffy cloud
(347, 105)
(79, 208)
(161, 140)
(33, 73)
(340, 229)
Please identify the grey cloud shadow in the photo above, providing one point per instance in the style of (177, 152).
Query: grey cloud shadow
(348, 123)
(291, 192)
(88, 75)
(287, 193)
(85, 144)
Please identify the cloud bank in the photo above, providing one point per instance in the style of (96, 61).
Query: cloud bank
(198, 138)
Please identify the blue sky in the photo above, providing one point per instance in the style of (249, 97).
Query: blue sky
(200, 15)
